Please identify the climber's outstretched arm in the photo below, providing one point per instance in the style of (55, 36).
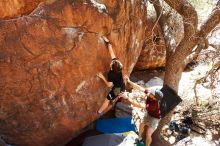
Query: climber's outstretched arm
(134, 103)
(111, 52)
(109, 45)
(108, 84)
(134, 85)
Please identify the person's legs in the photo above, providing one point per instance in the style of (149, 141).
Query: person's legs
(104, 106)
(111, 96)
(149, 132)
(141, 130)
(151, 126)
(112, 103)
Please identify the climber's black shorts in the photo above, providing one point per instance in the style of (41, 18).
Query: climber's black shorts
(113, 93)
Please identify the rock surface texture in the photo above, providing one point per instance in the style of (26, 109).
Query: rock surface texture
(48, 65)
(153, 54)
(16, 8)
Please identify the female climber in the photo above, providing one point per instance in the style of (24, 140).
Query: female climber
(114, 81)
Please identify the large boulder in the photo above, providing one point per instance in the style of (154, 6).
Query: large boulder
(48, 65)
(153, 54)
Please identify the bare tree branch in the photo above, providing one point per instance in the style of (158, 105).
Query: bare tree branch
(167, 32)
(174, 64)
(205, 29)
(217, 47)
(211, 73)
(211, 22)
(193, 56)
(190, 19)
(188, 43)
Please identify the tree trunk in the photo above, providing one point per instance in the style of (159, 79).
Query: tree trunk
(175, 62)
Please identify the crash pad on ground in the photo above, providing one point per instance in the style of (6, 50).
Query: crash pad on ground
(120, 139)
(115, 125)
(103, 140)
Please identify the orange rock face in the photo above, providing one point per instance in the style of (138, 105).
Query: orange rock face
(48, 65)
(15, 8)
(153, 53)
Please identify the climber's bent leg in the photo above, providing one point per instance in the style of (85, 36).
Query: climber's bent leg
(104, 106)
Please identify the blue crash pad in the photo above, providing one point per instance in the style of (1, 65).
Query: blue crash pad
(115, 125)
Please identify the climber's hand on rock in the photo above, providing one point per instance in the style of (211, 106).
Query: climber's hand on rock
(123, 96)
(126, 78)
(105, 39)
(100, 75)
